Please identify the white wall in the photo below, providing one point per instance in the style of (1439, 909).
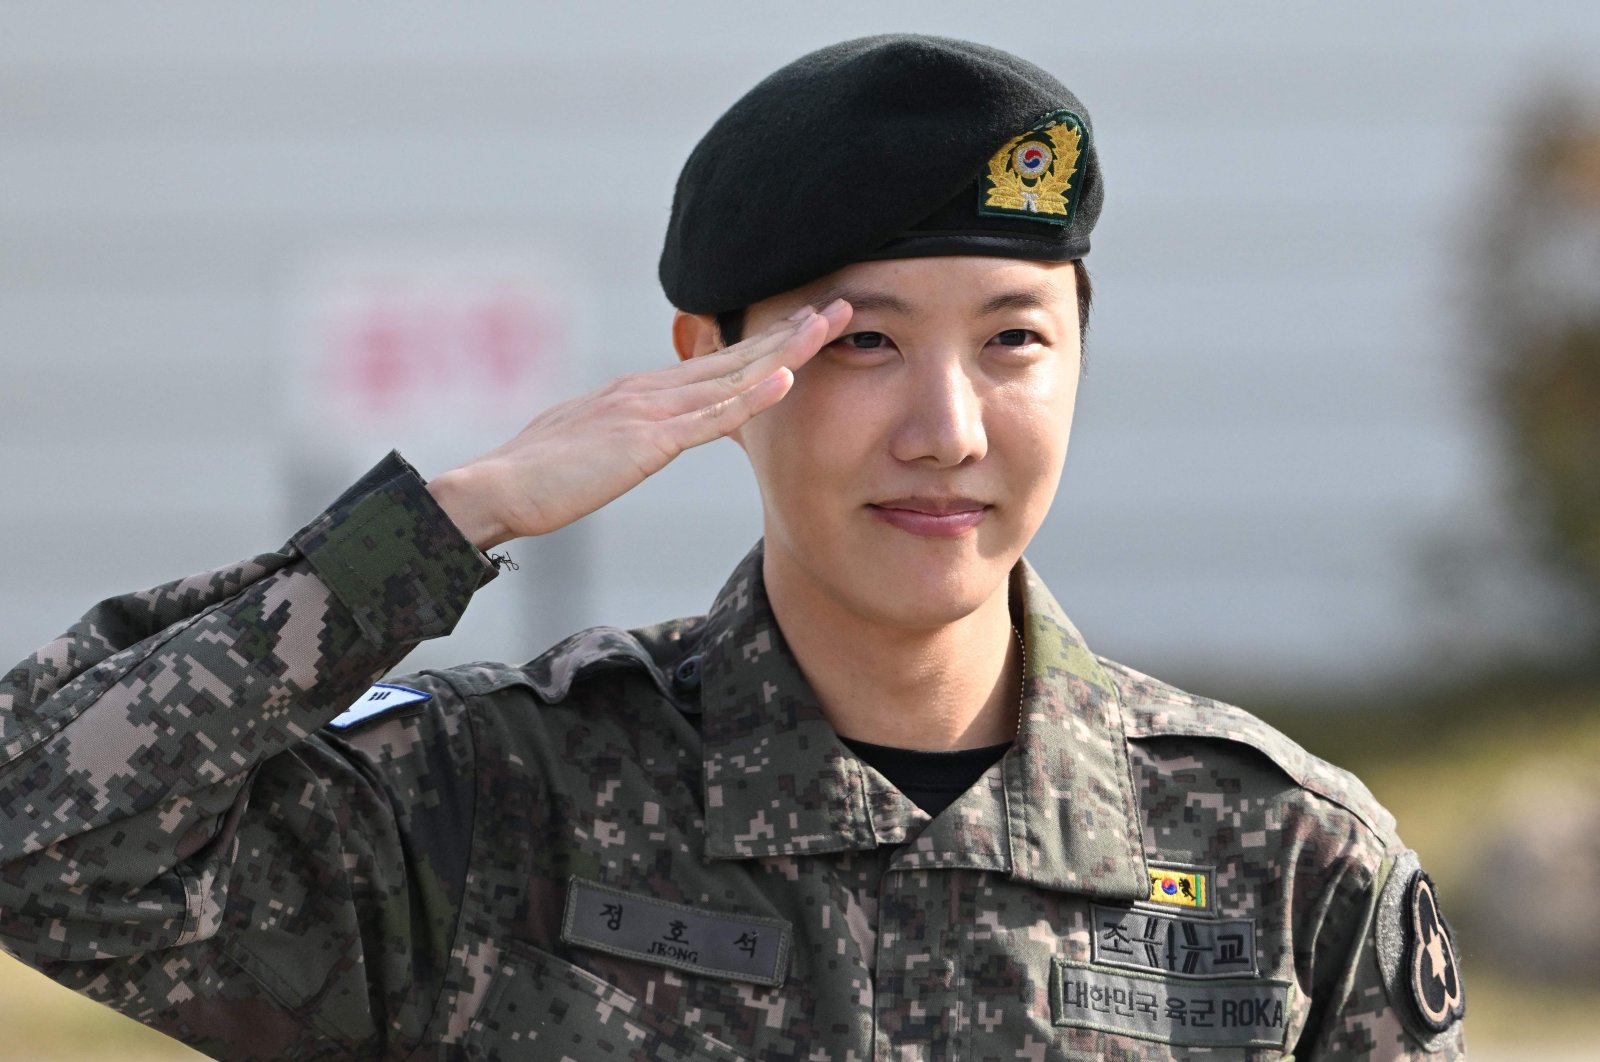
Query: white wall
(1279, 422)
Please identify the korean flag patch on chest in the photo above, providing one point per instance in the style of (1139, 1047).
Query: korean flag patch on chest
(377, 701)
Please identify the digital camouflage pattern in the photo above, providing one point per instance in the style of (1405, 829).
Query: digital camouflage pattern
(180, 840)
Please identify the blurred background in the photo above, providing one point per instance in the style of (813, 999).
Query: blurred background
(1336, 457)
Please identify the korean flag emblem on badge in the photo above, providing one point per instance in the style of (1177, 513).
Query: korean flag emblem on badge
(1180, 885)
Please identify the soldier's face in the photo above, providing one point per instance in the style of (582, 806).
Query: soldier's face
(917, 455)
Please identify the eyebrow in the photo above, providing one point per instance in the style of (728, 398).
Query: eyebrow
(862, 299)
(1022, 299)
(866, 299)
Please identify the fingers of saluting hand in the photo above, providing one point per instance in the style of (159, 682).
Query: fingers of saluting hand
(577, 456)
(740, 356)
(717, 392)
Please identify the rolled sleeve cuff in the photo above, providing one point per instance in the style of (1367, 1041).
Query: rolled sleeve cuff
(393, 558)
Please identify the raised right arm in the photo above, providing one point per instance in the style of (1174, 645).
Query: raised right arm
(178, 841)
(143, 755)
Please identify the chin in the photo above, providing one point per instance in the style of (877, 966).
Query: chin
(888, 577)
(927, 593)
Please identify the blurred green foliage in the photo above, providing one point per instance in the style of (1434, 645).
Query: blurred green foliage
(1538, 309)
(1455, 768)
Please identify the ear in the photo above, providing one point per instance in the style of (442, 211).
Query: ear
(694, 334)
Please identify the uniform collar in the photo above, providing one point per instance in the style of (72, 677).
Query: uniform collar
(1058, 811)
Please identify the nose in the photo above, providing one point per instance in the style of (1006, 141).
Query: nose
(942, 423)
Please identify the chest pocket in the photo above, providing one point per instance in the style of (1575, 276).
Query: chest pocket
(542, 1007)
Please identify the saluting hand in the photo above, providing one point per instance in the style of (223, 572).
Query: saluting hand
(577, 456)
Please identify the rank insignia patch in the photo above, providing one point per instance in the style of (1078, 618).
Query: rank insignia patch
(1431, 966)
(378, 700)
(1180, 885)
(1036, 175)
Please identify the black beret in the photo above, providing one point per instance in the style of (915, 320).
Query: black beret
(897, 146)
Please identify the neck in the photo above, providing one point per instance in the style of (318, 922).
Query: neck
(954, 686)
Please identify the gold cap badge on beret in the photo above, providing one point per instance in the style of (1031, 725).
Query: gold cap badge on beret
(1035, 175)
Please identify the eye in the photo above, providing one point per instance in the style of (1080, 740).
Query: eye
(1016, 337)
(862, 349)
(864, 340)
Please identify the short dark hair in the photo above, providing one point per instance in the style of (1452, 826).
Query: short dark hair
(730, 323)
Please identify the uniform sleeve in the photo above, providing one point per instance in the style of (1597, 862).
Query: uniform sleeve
(1401, 996)
(176, 840)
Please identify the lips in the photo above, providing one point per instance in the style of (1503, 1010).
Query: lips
(931, 517)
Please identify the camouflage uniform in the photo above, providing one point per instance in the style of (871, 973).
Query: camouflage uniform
(650, 844)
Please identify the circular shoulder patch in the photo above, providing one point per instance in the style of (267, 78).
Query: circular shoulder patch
(1432, 971)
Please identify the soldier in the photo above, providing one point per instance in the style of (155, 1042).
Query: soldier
(881, 802)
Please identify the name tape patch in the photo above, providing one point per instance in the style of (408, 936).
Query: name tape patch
(735, 947)
(1180, 885)
(1170, 943)
(1187, 1013)
(379, 699)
